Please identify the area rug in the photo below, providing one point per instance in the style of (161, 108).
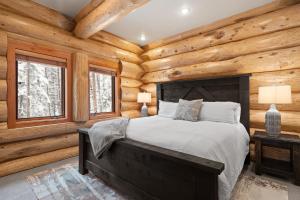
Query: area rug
(65, 183)
(250, 187)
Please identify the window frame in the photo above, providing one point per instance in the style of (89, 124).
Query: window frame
(39, 52)
(98, 65)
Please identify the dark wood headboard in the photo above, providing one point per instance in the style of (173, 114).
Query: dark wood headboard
(235, 89)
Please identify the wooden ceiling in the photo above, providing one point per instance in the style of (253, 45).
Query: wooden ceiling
(82, 20)
(94, 17)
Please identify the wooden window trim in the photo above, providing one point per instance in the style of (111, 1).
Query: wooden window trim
(101, 66)
(45, 52)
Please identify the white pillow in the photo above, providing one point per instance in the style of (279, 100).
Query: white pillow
(167, 109)
(227, 112)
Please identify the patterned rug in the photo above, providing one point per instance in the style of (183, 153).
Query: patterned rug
(250, 187)
(66, 183)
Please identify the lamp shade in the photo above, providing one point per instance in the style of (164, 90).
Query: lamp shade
(275, 94)
(144, 97)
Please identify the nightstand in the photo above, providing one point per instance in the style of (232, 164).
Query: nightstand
(277, 167)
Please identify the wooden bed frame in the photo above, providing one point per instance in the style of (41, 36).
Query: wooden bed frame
(148, 172)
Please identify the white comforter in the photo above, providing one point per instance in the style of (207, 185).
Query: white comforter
(226, 143)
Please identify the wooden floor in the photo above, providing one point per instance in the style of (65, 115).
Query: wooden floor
(15, 187)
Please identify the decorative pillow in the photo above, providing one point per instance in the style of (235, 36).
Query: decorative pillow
(188, 110)
(167, 109)
(226, 112)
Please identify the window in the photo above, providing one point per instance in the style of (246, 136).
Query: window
(102, 91)
(40, 85)
(40, 88)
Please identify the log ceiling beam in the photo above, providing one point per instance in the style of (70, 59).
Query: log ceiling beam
(41, 13)
(87, 9)
(111, 39)
(106, 13)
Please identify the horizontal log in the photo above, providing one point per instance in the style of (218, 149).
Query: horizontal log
(3, 43)
(294, 106)
(153, 102)
(125, 106)
(3, 90)
(152, 110)
(290, 121)
(105, 14)
(20, 134)
(25, 26)
(129, 94)
(128, 82)
(284, 77)
(105, 61)
(3, 111)
(116, 41)
(34, 132)
(89, 7)
(3, 125)
(3, 68)
(131, 70)
(131, 114)
(151, 88)
(16, 150)
(273, 6)
(22, 164)
(272, 41)
(262, 62)
(41, 13)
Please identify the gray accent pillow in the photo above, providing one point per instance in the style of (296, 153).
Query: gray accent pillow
(188, 110)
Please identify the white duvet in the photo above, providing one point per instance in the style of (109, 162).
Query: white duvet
(226, 143)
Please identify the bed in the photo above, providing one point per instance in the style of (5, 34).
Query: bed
(150, 165)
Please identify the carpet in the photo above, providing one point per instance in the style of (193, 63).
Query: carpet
(250, 187)
(66, 183)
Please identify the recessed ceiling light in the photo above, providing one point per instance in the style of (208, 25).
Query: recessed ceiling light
(143, 37)
(185, 11)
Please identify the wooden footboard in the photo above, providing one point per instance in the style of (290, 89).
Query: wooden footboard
(147, 172)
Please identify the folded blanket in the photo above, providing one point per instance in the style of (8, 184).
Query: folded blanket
(103, 134)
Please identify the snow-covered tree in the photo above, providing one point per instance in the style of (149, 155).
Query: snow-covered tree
(39, 90)
(101, 94)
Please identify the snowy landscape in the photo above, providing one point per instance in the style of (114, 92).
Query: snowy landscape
(41, 90)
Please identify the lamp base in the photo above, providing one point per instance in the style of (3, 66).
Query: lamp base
(273, 121)
(144, 111)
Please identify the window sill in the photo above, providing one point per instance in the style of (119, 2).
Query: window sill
(104, 116)
(40, 122)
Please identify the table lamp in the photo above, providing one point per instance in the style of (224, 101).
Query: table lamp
(144, 98)
(274, 95)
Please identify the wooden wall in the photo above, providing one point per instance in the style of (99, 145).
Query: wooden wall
(267, 45)
(264, 42)
(25, 148)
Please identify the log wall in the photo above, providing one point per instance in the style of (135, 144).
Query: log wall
(264, 42)
(25, 148)
(267, 46)
(131, 75)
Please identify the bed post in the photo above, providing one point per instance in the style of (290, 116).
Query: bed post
(158, 95)
(82, 153)
(244, 101)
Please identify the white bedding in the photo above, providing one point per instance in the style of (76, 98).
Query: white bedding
(223, 142)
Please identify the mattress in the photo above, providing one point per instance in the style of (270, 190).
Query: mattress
(222, 142)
